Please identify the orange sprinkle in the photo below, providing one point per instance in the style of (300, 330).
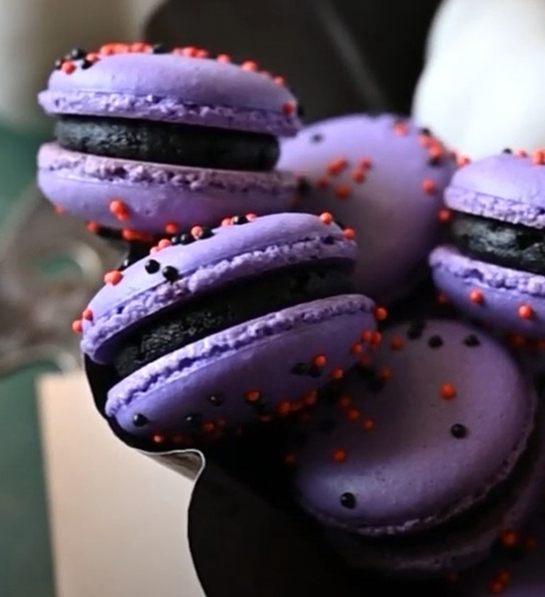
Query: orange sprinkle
(337, 374)
(93, 227)
(509, 538)
(442, 298)
(521, 153)
(87, 315)
(319, 360)
(376, 340)
(401, 129)
(284, 408)
(252, 396)
(68, 67)
(530, 543)
(326, 218)
(356, 348)
(202, 53)
(158, 439)
(364, 360)
(358, 176)
(297, 405)
(367, 336)
(525, 312)
(311, 398)
(196, 231)
(279, 80)
(504, 576)
(139, 47)
(426, 141)
(224, 58)
(368, 425)
(381, 313)
(251, 217)
(119, 209)
(365, 163)
(113, 277)
(343, 191)
(344, 402)
(290, 458)
(322, 183)
(349, 233)
(172, 228)
(385, 373)
(396, 343)
(429, 186)
(336, 166)
(476, 297)
(227, 222)
(444, 216)
(353, 414)
(340, 455)
(208, 427)
(92, 57)
(517, 340)
(496, 588)
(164, 243)
(288, 108)
(59, 210)
(130, 235)
(539, 157)
(462, 161)
(250, 65)
(448, 391)
(77, 327)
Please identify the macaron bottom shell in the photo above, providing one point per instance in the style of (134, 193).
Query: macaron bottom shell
(501, 297)
(464, 543)
(251, 372)
(156, 198)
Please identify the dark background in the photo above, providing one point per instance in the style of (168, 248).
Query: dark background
(339, 56)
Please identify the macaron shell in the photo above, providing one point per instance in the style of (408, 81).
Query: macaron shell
(409, 472)
(506, 299)
(156, 195)
(460, 548)
(505, 187)
(256, 356)
(173, 88)
(375, 175)
(231, 254)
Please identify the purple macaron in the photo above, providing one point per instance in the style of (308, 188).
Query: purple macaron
(494, 270)
(240, 326)
(154, 141)
(382, 176)
(424, 459)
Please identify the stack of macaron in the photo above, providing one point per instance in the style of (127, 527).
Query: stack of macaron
(254, 295)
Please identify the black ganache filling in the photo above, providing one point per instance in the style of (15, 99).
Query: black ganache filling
(500, 243)
(180, 325)
(167, 143)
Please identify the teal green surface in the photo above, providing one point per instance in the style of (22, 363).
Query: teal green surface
(25, 559)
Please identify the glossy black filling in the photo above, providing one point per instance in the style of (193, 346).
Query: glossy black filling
(174, 328)
(500, 243)
(167, 143)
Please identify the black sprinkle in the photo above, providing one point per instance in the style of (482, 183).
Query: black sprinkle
(414, 333)
(472, 341)
(507, 150)
(152, 266)
(193, 419)
(171, 274)
(204, 232)
(86, 64)
(300, 369)
(300, 110)
(329, 240)
(239, 220)
(458, 431)
(59, 63)
(159, 49)
(348, 501)
(315, 371)
(434, 161)
(175, 240)
(216, 399)
(186, 239)
(303, 187)
(139, 420)
(124, 265)
(77, 54)
(327, 426)
(435, 342)
(317, 138)
(425, 131)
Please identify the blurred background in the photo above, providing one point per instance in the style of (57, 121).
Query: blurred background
(469, 69)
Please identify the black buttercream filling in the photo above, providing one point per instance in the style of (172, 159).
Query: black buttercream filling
(167, 143)
(178, 326)
(500, 243)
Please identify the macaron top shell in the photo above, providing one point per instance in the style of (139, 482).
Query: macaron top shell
(440, 423)
(505, 187)
(231, 253)
(173, 88)
(384, 178)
